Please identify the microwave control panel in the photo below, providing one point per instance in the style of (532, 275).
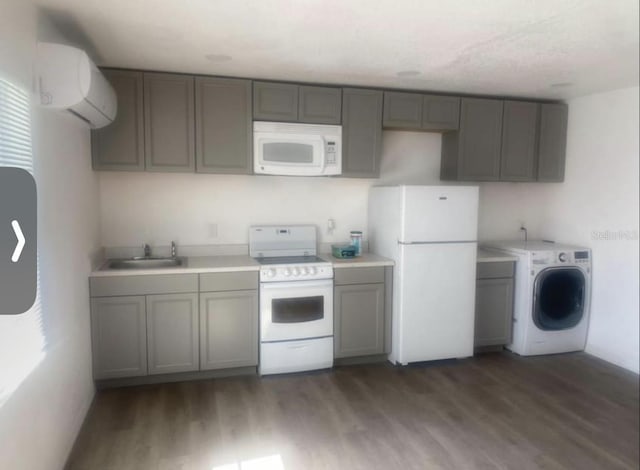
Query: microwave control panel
(331, 152)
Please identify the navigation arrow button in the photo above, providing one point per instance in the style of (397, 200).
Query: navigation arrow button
(18, 249)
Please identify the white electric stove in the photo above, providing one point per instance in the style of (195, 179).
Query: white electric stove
(296, 299)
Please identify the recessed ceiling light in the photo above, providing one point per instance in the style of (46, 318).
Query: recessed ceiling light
(408, 73)
(218, 57)
(561, 85)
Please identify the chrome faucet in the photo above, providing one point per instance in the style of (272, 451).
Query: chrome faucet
(173, 249)
(147, 250)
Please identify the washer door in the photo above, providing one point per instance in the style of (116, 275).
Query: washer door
(559, 298)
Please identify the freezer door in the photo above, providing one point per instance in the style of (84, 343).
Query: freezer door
(437, 303)
(439, 213)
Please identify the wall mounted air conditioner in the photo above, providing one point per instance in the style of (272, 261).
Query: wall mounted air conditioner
(68, 79)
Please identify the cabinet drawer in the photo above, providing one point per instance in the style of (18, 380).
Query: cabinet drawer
(369, 275)
(215, 282)
(493, 270)
(143, 284)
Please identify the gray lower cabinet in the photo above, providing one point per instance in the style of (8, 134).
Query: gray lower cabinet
(494, 303)
(553, 142)
(362, 311)
(169, 122)
(172, 333)
(120, 145)
(415, 111)
(361, 132)
(358, 320)
(119, 337)
(223, 125)
(473, 152)
(519, 141)
(228, 329)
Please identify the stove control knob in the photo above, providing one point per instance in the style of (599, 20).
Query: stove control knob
(270, 272)
(286, 272)
(296, 272)
(562, 257)
(312, 270)
(304, 271)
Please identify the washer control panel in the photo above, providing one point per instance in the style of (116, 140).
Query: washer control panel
(560, 257)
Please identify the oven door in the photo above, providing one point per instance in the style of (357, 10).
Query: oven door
(296, 310)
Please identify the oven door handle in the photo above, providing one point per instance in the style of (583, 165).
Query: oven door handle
(267, 286)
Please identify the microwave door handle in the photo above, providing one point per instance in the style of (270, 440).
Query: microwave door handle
(324, 156)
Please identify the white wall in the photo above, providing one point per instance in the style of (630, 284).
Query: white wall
(45, 404)
(156, 208)
(599, 196)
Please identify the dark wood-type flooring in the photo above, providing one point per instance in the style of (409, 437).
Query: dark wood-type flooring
(494, 411)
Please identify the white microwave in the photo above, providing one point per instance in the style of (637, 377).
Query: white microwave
(284, 148)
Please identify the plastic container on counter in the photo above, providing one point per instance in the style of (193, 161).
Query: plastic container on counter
(356, 241)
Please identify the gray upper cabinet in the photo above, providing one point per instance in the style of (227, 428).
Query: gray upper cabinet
(320, 105)
(519, 141)
(287, 102)
(553, 142)
(275, 102)
(169, 122)
(118, 337)
(473, 152)
(402, 110)
(440, 113)
(223, 125)
(120, 145)
(172, 333)
(228, 329)
(420, 112)
(361, 132)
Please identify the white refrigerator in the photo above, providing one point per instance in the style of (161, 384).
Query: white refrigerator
(431, 234)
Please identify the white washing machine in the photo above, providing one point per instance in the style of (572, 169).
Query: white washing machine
(552, 296)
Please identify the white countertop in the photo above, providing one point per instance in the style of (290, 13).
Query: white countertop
(195, 265)
(364, 260)
(216, 264)
(490, 256)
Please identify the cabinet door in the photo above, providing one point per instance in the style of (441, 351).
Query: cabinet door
(120, 145)
(228, 329)
(553, 142)
(275, 102)
(402, 110)
(361, 132)
(320, 105)
(119, 337)
(494, 311)
(172, 333)
(480, 139)
(358, 320)
(440, 113)
(169, 122)
(223, 125)
(519, 141)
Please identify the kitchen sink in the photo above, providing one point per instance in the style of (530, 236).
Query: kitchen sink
(146, 263)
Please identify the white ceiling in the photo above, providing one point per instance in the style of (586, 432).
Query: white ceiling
(534, 48)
